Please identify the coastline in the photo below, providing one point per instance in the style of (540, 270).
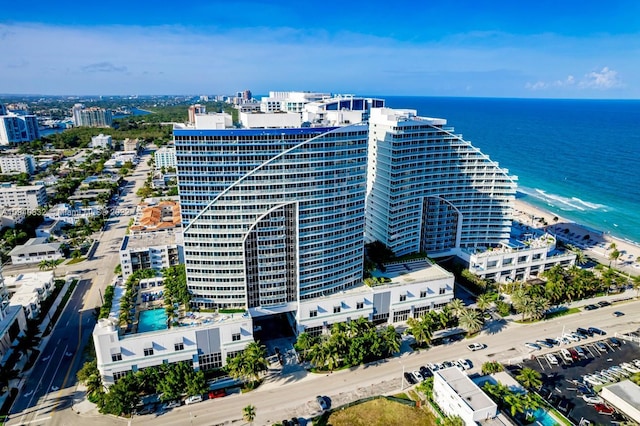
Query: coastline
(594, 243)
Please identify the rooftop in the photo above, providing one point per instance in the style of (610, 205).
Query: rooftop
(411, 271)
(148, 239)
(465, 388)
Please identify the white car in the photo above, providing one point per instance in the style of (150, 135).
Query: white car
(475, 346)
(630, 367)
(533, 346)
(193, 399)
(464, 364)
(551, 359)
(417, 376)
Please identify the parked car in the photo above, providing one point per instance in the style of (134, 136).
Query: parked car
(551, 358)
(465, 364)
(322, 402)
(592, 398)
(425, 372)
(409, 378)
(193, 399)
(219, 393)
(552, 342)
(591, 307)
(581, 352)
(601, 347)
(574, 354)
(172, 404)
(581, 335)
(584, 331)
(417, 376)
(533, 346)
(618, 314)
(604, 303)
(475, 346)
(604, 409)
(614, 342)
(566, 355)
(596, 330)
(544, 344)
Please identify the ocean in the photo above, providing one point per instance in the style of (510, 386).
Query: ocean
(575, 158)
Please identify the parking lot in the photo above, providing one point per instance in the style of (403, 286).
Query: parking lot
(563, 383)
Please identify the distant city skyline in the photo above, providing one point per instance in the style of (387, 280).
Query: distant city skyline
(544, 49)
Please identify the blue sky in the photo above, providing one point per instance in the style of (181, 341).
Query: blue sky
(542, 49)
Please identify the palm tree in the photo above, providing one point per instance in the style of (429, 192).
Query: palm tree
(249, 413)
(420, 328)
(484, 302)
(391, 339)
(614, 255)
(318, 354)
(530, 378)
(470, 320)
(457, 307)
(304, 342)
(491, 367)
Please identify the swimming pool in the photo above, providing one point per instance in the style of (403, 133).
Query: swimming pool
(543, 418)
(152, 320)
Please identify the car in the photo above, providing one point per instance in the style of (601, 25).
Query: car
(581, 335)
(143, 411)
(285, 422)
(618, 314)
(218, 393)
(581, 352)
(604, 303)
(475, 347)
(591, 307)
(172, 404)
(551, 359)
(322, 402)
(592, 398)
(574, 354)
(603, 409)
(552, 342)
(572, 337)
(601, 347)
(409, 378)
(544, 344)
(417, 376)
(433, 367)
(566, 355)
(533, 346)
(447, 364)
(630, 367)
(593, 380)
(465, 364)
(596, 330)
(425, 372)
(584, 331)
(614, 342)
(193, 399)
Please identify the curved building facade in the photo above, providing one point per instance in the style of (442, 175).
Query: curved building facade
(271, 216)
(429, 190)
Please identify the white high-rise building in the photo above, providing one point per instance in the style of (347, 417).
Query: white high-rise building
(165, 157)
(23, 163)
(271, 216)
(429, 190)
(16, 128)
(91, 117)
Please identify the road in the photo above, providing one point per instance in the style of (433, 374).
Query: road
(38, 401)
(294, 395)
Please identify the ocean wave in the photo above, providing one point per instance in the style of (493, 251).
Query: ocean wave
(563, 203)
(593, 206)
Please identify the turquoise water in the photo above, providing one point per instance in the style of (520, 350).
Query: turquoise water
(543, 418)
(575, 158)
(152, 320)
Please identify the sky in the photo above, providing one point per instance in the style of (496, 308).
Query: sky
(478, 48)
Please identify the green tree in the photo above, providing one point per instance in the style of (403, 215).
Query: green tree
(530, 378)
(426, 387)
(491, 367)
(304, 342)
(471, 321)
(249, 413)
(420, 329)
(457, 307)
(391, 340)
(249, 363)
(484, 302)
(122, 397)
(453, 421)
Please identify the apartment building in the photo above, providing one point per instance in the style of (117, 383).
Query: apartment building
(15, 164)
(150, 250)
(457, 395)
(101, 141)
(28, 198)
(13, 322)
(16, 128)
(165, 157)
(91, 117)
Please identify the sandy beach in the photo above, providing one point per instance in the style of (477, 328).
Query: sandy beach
(595, 243)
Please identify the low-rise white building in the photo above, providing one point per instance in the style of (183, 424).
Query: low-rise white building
(101, 141)
(519, 260)
(35, 250)
(15, 164)
(72, 213)
(625, 397)
(270, 120)
(457, 395)
(150, 250)
(205, 345)
(29, 290)
(165, 157)
(48, 228)
(404, 290)
(28, 198)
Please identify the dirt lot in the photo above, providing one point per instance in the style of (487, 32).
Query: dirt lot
(381, 412)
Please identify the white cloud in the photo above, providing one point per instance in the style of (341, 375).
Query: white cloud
(605, 79)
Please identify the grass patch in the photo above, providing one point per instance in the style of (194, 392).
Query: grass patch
(381, 412)
(552, 315)
(232, 311)
(402, 396)
(76, 260)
